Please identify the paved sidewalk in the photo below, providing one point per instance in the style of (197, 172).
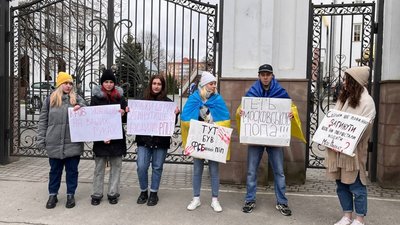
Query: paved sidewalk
(23, 191)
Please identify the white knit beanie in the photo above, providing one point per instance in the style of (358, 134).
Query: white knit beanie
(360, 74)
(206, 78)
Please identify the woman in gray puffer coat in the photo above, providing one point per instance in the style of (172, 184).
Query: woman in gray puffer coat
(54, 136)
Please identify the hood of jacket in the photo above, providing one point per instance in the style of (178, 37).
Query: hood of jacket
(97, 92)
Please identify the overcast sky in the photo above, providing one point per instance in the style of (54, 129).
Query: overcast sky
(179, 34)
(171, 34)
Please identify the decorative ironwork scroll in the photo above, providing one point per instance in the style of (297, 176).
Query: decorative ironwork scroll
(332, 50)
(48, 36)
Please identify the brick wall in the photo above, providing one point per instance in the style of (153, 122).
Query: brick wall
(388, 168)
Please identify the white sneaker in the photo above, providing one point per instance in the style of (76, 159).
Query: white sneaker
(194, 204)
(356, 222)
(344, 221)
(216, 206)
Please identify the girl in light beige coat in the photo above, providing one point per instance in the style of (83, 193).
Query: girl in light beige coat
(350, 172)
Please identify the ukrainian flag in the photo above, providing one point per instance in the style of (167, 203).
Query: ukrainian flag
(191, 110)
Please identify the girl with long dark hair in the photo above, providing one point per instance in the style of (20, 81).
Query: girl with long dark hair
(350, 172)
(152, 149)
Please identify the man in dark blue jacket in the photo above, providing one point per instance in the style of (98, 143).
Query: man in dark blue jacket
(266, 86)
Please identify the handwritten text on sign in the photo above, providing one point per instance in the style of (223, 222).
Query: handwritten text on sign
(95, 123)
(208, 141)
(265, 121)
(341, 131)
(151, 118)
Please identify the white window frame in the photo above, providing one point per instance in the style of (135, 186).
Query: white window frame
(357, 32)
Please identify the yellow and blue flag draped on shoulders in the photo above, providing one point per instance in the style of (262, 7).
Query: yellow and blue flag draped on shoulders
(191, 110)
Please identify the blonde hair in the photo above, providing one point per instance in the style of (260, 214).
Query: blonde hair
(203, 92)
(56, 97)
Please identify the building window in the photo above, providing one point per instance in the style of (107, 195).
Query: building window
(357, 32)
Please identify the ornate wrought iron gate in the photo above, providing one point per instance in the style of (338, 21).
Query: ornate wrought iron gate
(136, 39)
(340, 36)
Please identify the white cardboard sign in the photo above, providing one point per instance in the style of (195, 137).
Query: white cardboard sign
(95, 123)
(208, 141)
(265, 121)
(155, 118)
(341, 131)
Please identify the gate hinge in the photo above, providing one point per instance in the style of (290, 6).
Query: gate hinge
(217, 37)
(376, 28)
(8, 36)
(7, 134)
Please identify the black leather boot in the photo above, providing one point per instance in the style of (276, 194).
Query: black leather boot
(95, 201)
(113, 200)
(142, 197)
(153, 199)
(52, 202)
(70, 201)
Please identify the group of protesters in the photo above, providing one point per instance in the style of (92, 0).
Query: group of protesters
(207, 105)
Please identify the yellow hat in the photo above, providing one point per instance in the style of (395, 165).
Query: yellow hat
(63, 77)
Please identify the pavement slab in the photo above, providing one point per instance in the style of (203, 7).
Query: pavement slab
(23, 191)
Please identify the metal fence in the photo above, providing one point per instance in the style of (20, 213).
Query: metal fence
(340, 36)
(134, 38)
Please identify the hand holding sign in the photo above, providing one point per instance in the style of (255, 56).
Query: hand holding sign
(341, 131)
(95, 123)
(151, 118)
(265, 121)
(208, 141)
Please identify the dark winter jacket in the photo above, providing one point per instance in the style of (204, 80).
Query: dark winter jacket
(115, 147)
(154, 141)
(53, 130)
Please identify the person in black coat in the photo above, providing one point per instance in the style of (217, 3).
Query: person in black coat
(152, 148)
(108, 150)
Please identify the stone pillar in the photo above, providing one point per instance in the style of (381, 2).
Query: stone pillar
(388, 168)
(258, 32)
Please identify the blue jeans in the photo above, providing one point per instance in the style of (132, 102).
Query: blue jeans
(157, 158)
(346, 192)
(275, 158)
(213, 167)
(71, 170)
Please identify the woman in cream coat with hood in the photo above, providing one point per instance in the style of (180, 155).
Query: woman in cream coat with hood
(349, 172)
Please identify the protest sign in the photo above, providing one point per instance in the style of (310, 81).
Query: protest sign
(155, 118)
(341, 131)
(208, 141)
(95, 123)
(265, 121)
